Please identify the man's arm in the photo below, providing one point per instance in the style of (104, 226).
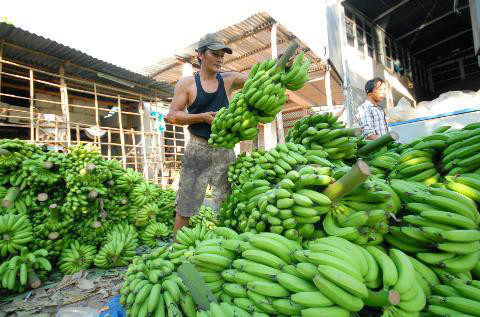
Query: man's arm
(365, 119)
(236, 79)
(177, 114)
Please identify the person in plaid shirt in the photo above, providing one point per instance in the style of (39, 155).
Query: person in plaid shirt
(371, 116)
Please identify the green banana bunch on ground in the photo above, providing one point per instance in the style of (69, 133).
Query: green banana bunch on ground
(19, 273)
(12, 153)
(324, 133)
(204, 213)
(76, 257)
(383, 163)
(261, 98)
(153, 232)
(118, 250)
(152, 287)
(16, 233)
(166, 206)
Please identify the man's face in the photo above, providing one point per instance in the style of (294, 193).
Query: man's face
(213, 60)
(378, 93)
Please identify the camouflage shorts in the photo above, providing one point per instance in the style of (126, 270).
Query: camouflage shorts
(202, 165)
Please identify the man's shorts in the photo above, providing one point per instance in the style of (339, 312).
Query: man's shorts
(202, 164)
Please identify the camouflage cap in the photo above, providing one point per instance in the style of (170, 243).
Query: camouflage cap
(213, 42)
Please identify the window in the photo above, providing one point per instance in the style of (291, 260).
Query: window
(369, 37)
(349, 28)
(388, 53)
(360, 34)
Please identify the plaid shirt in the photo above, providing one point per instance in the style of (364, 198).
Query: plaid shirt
(371, 119)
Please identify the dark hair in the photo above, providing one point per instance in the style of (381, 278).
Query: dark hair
(372, 83)
(202, 50)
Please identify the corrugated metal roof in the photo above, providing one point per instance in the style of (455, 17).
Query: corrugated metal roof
(250, 41)
(38, 51)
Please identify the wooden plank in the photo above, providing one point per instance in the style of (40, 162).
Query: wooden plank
(78, 134)
(1, 64)
(32, 93)
(109, 151)
(64, 99)
(135, 152)
(97, 117)
(122, 136)
(141, 110)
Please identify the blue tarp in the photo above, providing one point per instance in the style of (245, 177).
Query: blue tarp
(113, 308)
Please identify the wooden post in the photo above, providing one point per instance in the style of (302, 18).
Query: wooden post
(134, 149)
(161, 149)
(1, 64)
(328, 89)
(122, 136)
(97, 117)
(141, 110)
(64, 101)
(32, 96)
(78, 134)
(269, 141)
(109, 154)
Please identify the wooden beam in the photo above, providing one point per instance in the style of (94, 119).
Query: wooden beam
(122, 136)
(255, 51)
(32, 95)
(141, 110)
(64, 100)
(1, 64)
(299, 99)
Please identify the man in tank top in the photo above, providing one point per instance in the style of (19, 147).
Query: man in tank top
(202, 95)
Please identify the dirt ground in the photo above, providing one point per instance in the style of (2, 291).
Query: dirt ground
(92, 288)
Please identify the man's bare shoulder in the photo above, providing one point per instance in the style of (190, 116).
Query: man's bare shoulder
(185, 81)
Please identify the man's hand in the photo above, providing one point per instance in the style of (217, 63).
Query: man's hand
(372, 137)
(208, 117)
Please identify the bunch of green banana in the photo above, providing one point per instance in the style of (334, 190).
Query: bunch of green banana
(152, 288)
(144, 193)
(325, 136)
(15, 232)
(261, 98)
(77, 257)
(466, 184)
(44, 170)
(397, 291)
(416, 165)
(166, 206)
(383, 163)
(205, 213)
(153, 232)
(146, 214)
(127, 180)
(19, 273)
(462, 153)
(117, 251)
(272, 165)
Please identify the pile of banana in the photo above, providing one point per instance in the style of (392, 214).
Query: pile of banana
(383, 163)
(261, 98)
(325, 133)
(70, 203)
(22, 271)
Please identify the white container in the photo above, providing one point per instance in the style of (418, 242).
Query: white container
(77, 312)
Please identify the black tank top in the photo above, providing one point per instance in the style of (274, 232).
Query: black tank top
(205, 102)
